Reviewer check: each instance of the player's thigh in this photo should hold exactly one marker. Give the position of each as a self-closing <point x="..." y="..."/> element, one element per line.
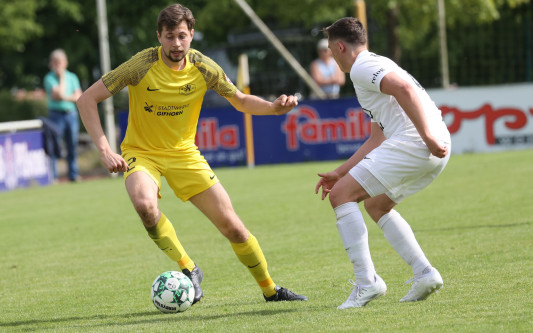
<point x="142" y="180"/>
<point x="216" y="205"/>
<point x="347" y="189"/>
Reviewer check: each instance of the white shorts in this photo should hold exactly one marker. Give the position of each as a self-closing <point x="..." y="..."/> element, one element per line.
<point x="398" y="169"/>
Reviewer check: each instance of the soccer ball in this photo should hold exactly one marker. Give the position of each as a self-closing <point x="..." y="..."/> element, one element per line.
<point x="172" y="292"/>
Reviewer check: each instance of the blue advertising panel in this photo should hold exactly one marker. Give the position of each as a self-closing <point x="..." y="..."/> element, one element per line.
<point x="220" y="136"/>
<point x="23" y="161"/>
<point x="315" y="130"/>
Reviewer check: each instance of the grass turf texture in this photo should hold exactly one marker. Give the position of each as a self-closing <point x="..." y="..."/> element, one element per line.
<point x="75" y="257"/>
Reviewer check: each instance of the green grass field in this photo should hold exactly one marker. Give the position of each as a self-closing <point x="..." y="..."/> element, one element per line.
<point x="75" y="257"/>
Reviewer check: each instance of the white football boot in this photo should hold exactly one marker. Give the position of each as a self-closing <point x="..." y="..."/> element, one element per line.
<point x="361" y="295"/>
<point x="423" y="286"/>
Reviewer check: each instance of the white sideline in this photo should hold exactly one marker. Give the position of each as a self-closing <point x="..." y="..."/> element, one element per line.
<point x="13" y="126"/>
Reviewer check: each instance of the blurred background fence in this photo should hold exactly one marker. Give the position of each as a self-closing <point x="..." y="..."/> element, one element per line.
<point x="488" y="42"/>
<point x="479" y="53"/>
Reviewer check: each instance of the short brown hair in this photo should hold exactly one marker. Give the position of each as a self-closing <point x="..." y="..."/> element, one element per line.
<point x="348" y="29"/>
<point x="173" y="15"/>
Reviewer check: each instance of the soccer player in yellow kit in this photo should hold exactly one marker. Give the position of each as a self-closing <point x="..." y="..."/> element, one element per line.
<point x="166" y="86"/>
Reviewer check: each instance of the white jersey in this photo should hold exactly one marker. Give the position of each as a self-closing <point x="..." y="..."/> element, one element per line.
<point x="366" y="75"/>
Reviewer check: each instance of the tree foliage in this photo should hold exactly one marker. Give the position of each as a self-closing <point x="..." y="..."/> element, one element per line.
<point x="18" y="24"/>
<point x="31" y="29"/>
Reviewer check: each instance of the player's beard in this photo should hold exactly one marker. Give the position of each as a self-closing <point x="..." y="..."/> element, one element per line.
<point x="177" y="58"/>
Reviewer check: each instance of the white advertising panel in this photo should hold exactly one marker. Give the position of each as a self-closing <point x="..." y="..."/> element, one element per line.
<point x="485" y="119"/>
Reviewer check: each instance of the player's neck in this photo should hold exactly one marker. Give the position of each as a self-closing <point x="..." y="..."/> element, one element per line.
<point x="357" y="51"/>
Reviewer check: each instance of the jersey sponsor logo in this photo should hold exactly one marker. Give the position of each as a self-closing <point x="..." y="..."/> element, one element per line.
<point x="148" y="88"/>
<point x="165" y="110"/>
<point x="187" y="89"/>
<point x="148" y="108"/>
<point x="171" y="110"/>
<point x="375" y="75"/>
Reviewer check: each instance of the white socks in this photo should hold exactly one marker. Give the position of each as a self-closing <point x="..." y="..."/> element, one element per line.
<point x="354" y="236"/>
<point x="399" y="234"/>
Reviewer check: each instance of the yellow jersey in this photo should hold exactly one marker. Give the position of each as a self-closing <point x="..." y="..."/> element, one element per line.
<point x="164" y="104"/>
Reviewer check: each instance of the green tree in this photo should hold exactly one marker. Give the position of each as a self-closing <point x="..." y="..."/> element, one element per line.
<point x="18" y="23"/>
<point x="31" y="29"/>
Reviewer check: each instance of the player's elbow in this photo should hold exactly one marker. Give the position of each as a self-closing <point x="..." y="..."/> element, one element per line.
<point x="82" y="102"/>
<point x="79" y="101"/>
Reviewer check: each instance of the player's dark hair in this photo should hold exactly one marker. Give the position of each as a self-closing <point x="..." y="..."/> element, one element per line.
<point x="173" y="15"/>
<point x="348" y="29"/>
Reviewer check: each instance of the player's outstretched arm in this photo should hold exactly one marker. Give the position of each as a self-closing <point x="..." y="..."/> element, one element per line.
<point x="87" y="105"/>
<point x="257" y="106"/>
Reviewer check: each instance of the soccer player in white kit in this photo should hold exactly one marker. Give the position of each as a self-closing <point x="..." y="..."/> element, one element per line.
<point x="408" y="148"/>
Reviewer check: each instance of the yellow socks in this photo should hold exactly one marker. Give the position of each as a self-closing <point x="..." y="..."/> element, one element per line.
<point x="251" y="255"/>
<point x="164" y="235"/>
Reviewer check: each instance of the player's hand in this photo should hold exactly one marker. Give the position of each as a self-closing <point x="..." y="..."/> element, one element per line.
<point x="58" y="68"/>
<point x="284" y="104"/>
<point x="113" y="162"/>
<point x="326" y="182"/>
<point x="436" y="148"/>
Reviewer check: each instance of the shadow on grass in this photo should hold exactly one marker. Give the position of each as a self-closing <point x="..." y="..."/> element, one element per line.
<point x="150" y="314"/>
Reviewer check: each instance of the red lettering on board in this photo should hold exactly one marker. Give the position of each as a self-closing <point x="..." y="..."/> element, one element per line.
<point x="305" y="125"/>
<point x="211" y="136"/>
<point x="518" y="120"/>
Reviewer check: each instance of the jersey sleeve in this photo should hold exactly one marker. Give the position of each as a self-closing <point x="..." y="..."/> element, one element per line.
<point x="130" y="72"/>
<point x="213" y="74"/>
<point x="369" y="73"/>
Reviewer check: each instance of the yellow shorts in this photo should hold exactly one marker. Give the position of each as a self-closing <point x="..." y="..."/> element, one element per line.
<point x="187" y="173"/>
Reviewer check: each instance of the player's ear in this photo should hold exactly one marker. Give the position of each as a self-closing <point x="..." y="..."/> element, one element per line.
<point x="192" y="34"/>
<point x="158" y="36"/>
<point x="340" y="45"/>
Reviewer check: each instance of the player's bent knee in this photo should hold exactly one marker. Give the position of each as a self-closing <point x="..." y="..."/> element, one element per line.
<point x="337" y="198"/>
<point x="147" y="210"/>
<point x="234" y="232"/>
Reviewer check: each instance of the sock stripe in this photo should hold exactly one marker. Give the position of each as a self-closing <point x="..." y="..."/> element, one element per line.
<point x="265" y="283"/>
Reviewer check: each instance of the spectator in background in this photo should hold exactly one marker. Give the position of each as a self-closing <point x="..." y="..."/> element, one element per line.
<point x="326" y="72"/>
<point x="62" y="91"/>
